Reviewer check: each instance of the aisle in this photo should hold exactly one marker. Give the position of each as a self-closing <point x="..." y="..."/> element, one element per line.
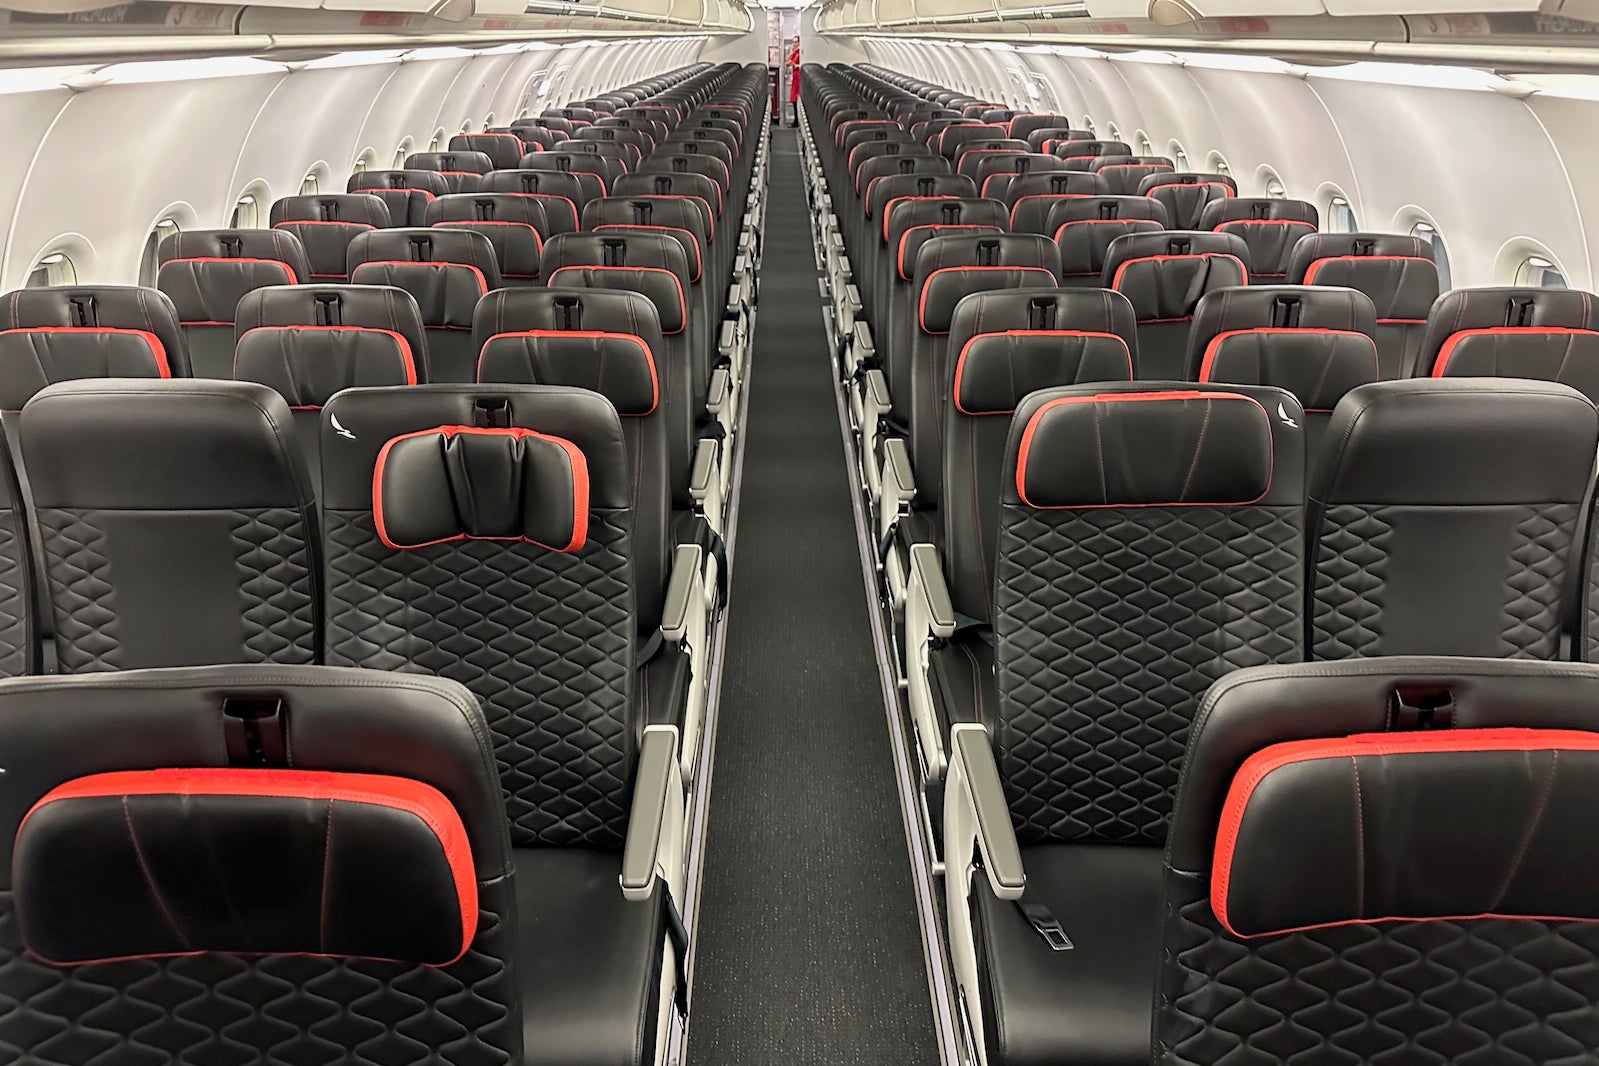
<point x="808" y="946"/>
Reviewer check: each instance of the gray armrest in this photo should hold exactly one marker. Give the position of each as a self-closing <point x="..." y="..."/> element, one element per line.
<point x="680" y="592"/>
<point x="929" y="574"/>
<point x="897" y="465"/>
<point x="727" y="340"/>
<point x="653" y="784"/>
<point x="718" y="389"/>
<point x="975" y="769"/>
<point x="876" y="381"/>
<point x="703" y="471"/>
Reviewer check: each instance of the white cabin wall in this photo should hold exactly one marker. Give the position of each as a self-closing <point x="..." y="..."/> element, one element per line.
<point x="1488" y="162"/>
<point x="188" y="148"/>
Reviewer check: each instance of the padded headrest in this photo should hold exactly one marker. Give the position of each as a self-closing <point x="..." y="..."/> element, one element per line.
<point x="220" y="863"/>
<point x="572" y="114"/>
<point x="1258" y="209"/>
<point x="532" y="138"/>
<point x="700" y="187"/>
<point x="1466" y="823"/>
<point x="515" y="225"/>
<point x="672" y="211"/>
<point x="1012" y="343"/>
<point x="356" y="209"/>
<point x="557" y="194"/>
<point x="1123" y="175"/>
<point x="970" y="155"/>
<point x="1316" y="342"/>
<point x="428" y="181"/>
<point x="1397" y="272"/>
<point x="1244" y="712"/>
<point x="1143" y="446"/>
<point x="549" y="122"/>
<point x="862" y="154"/>
<point x="62" y="310"/>
<point x="1166" y="274"/>
<point x="502" y="149"/>
<point x="446" y="270"/>
<point x="951" y="140"/>
<point x="591" y="171"/>
<point x="1512" y="332"/>
<point x="1459" y="442"/>
<point x="1023" y="125"/>
<point x="159" y="445"/>
<point x="1084" y="227"/>
<point x="1074" y="149"/>
<point x="909" y="212"/>
<point x="1054" y="183"/>
<point x="207" y="272"/>
<point x="993" y="173"/>
<point x="373" y="417"/>
<point x="1185" y="195"/>
<point x="34" y="358"/>
<point x="451" y="162"/>
<point x="1187" y="177"/>
<point x="1054" y="133"/>
<point x="684" y="163"/>
<point x="883" y="190"/>
<point x="652" y="264"/>
<point x="623" y="363"/>
<point x="310" y="341"/>
<point x="948" y="268"/>
<point x="464" y="483"/>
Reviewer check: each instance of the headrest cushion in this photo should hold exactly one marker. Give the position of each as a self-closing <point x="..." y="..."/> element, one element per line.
<point x="619" y="366"/>
<point x="31" y="359"/>
<point x="1317" y="365"/>
<point x="464" y="483"/>
<point x="995" y="370"/>
<point x="1145" y="449"/>
<point x="173" y="862"/>
<point x="1302" y="817"/>
<point x="308" y="364"/>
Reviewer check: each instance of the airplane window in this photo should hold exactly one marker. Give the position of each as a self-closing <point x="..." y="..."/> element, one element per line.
<point x="1440" y="252"/>
<point x="1340" y="216"/>
<point x="1147" y="146"/>
<point x="399" y="158"/>
<point x="1540" y="273"/>
<point x="54" y="269"/>
<point x="437" y="141"/>
<point x="1112" y="133"/>
<point x="488" y="120"/>
<point x="1088" y="124"/>
<point x="1179" y="156"/>
<point x="1275" y="188"/>
<point x="1219" y="165"/>
<point x="246" y="214"/>
<point x="311" y="185"/>
<point x="149" y="262"/>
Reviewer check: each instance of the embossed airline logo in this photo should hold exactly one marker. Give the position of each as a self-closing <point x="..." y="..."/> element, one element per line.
<point x="339" y="428"/>
<point x="1282" y="413"/>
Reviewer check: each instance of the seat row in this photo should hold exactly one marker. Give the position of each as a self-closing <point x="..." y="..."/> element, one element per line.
<point x="391" y="768"/>
<point x="1110" y="588"/>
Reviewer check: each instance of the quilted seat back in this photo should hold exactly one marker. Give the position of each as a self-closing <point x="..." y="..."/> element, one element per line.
<point x="1149" y="542"/>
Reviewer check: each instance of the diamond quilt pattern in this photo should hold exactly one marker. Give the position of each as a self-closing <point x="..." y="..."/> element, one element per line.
<point x="1437" y="993"/>
<point x="83" y="599"/>
<point x="14" y="604"/>
<point x="1351" y="557"/>
<point x="274" y="564"/>
<point x="545" y="640"/>
<point x="1110" y="626"/>
<point x="1539" y="560"/>
<point x="223" y="1010"/>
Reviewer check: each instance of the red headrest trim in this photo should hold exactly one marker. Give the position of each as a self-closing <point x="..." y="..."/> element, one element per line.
<point x="482" y="283"/>
<point x="921" y="303"/>
<point x="584" y="334"/>
<point x="404" y="346"/>
<point x="158" y="350"/>
<point x="960" y="360"/>
<point x="676" y="282"/>
<point x="1214" y="346"/>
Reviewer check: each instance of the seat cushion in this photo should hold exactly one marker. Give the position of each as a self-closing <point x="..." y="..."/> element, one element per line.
<point x="588" y="960"/>
<point x="1092" y="1005"/>
<point x="663" y="686"/>
<point x="963" y="679"/>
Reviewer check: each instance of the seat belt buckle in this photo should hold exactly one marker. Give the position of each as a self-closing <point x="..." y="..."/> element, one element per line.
<point x="1046" y="925"/>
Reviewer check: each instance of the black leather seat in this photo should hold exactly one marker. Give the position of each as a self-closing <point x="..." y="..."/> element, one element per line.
<point x="179" y="530"/>
<point x="1109" y="588"/>
<point x="308" y="342"/>
<point x="561" y="195"/>
<point x="531" y="605"/>
<point x="207" y="272"/>
<point x="1314" y="341"/>
<point x="515" y="225"/>
<point x="1409" y="820"/>
<point x="1125" y="175"/>
<point x="406" y="192"/>
<point x="1442" y="518"/>
<point x="1032" y="197"/>
<point x="1269" y="226"/>
<point x="504" y="150"/>
<point x="362" y="896"/>
<point x="446" y="271"/>
<point x="1084" y="227"/>
<point x="1396" y="272"/>
<point x="1547" y="334"/>
<point x="927" y="179"/>
<point x="326" y="224"/>
<point x="462" y="171"/>
<point x="592" y="175"/>
<point x="1185" y="195"/>
<point x="993" y="176"/>
<point x="1165" y="275"/>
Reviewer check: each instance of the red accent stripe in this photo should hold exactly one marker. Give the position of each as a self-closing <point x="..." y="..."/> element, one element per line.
<point x="424" y="801"/>
<point x="698" y="268"/>
<point x="1264" y="762"/>
<point x="888" y="209"/>
<point x="1222" y="228"/>
<point x="904" y="238"/>
<point x="580" y="486"/>
<point x="1230" y="191"/>
<point x="1440" y="366"/>
<point x="399" y="341"/>
<point x="1045" y="196"/>
<point x="1213" y="348"/>
<point x="921" y="303"/>
<point x="1316" y="265"/>
<point x="585" y="334"/>
<point x="1129" y="397"/>
<point x="1116" y="280"/>
<point x="960" y="360"/>
<point x="677" y="282"/>
<point x="482" y="283"/>
<point x="288" y="271"/>
<point x="158" y="351"/>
